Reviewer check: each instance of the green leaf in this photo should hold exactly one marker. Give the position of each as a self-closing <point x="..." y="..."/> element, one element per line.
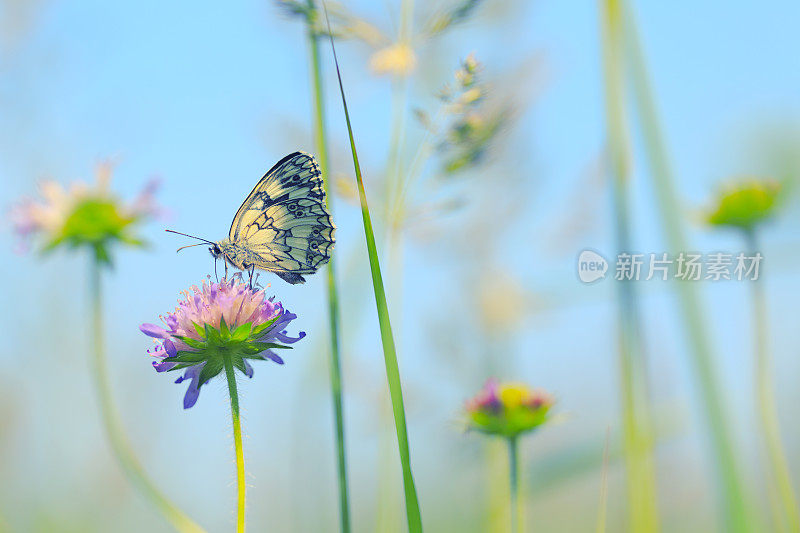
<point x="213" y="335"/>
<point x="269" y="346"/>
<point x="101" y="253"/>
<point x="242" y="332"/>
<point x="211" y="369"/>
<point x="265" y="325"/>
<point x="238" y="362"/>
<point x="223" y="329"/>
<point x="133" y="241"/>
<point x="192" y="343"/>
<point x="249" y="349"/>
<point x="200" y="331"/>
<point x="185" y="356"/>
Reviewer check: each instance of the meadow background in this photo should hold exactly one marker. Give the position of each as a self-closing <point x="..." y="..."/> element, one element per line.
<point x="209" y="96"/>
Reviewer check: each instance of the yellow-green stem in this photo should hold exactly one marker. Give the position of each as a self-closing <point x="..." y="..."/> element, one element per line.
<point x="636" y="410"/>
<point x="333" y="298"/>
<point x="113" y="427"/>
<point x="237" y="443"/>
<point x="767" y="410"/>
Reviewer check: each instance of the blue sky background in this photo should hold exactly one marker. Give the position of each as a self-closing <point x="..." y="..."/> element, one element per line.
<point x="208" y="96"/>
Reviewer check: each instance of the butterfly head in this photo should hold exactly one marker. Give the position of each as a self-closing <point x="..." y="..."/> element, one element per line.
<point x="215" y="248"/>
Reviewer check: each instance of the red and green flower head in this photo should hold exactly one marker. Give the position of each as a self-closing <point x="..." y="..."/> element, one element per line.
<point x="214" y="320"/>
<point x="508" y="409"/>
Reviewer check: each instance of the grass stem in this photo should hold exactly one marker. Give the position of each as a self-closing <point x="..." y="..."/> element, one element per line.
<point x="513" y="478"/>
<point x="321" y="146"/>
<point x="767" y="410"/>
<point x="636" y="411"/>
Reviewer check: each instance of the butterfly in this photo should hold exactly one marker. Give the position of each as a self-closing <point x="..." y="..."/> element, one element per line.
<point x="283" y="225"/>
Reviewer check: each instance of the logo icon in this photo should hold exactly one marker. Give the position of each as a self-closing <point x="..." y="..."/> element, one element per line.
<point x="591" y="266"/>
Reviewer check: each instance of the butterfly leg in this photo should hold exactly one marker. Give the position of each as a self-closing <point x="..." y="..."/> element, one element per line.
<point x="252" y="269"/>
<point x="226" y="270"/>
<point x="215" y="270"/>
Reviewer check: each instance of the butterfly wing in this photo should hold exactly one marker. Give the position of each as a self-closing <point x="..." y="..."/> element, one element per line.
<point x="283" y="223"/>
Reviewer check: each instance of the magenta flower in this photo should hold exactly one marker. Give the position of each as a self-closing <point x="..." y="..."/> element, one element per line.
<point x="214" y="321"/>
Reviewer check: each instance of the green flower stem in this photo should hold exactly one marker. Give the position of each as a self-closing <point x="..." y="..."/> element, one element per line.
<point x="237" y="442"/>
<point x="765" y="400"/>
<point x="113" y="427"/>
<point x="737" y="509"/>
<point x="513" y="478"/>
<point x="333" y="297"/>
<point x="637" y="425"/>
<point x="413" y="514"/>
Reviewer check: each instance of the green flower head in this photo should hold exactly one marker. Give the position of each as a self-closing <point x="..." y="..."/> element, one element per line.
<point x="83" y="215"/>
<point x="746" y="204"/>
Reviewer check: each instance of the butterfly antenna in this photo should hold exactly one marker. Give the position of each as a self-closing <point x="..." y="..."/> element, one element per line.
<point x="189" y="246"/>
<point x="190" y="236"/>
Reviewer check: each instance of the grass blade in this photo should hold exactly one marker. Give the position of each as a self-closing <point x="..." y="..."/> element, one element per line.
<point x="389" y="353"/>
<point x="333" y="297"/>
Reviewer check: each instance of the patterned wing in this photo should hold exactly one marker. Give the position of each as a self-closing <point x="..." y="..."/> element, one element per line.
<point x="283" y="224"/>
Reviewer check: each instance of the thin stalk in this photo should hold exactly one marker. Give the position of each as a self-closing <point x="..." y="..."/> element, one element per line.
<point x="333" y="298"/>
<point x="413" y="514"/>
<point x="395" y="174"/>
<point x="765" y="400"/>
<point x="736" y="507"/>
<point x="513" y="478"/>
<point x="637" y="425"/>
<point x="602" y="515"/>
<point x="113" y="427"/>
<point x="237" y="443"/>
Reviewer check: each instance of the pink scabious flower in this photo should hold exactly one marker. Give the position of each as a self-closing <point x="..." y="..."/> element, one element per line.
<point x="214" y="321"/>
<point x="82" y="214"/>
<point x="508" y="409"/>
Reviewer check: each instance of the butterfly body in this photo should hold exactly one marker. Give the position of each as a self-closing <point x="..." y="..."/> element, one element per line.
<point x="283" y="226"/>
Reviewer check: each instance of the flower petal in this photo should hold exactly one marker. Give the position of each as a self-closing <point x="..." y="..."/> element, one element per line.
<point x="269" y="354"/>
<point x="193" y="372"/>
<point x="169" y="346"/>
<point x="285" y="338"/>
<point x="151" y="330"/>
<point x="163" y="366"/>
